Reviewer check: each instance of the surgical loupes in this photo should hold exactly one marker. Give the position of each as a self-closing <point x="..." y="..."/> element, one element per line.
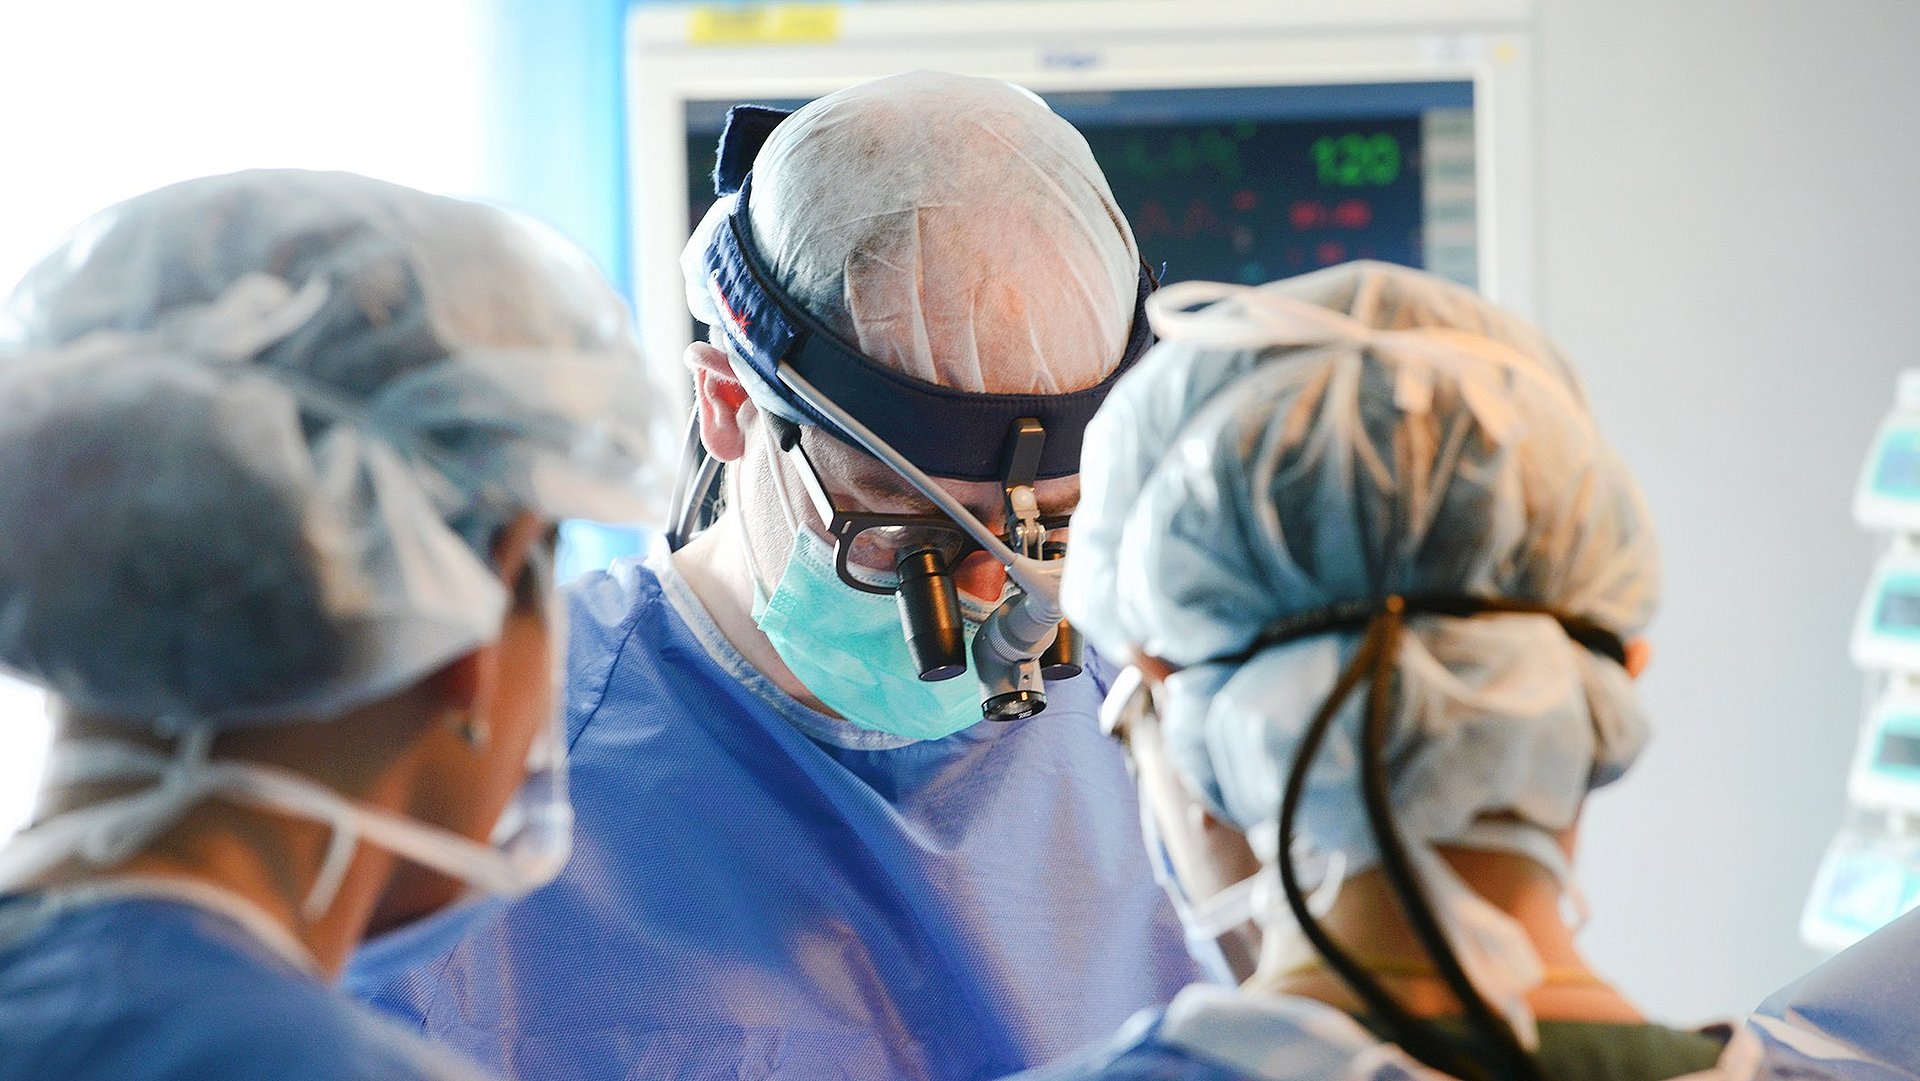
<point x="1010" y="675"/>
<point x="1008" y="647"/>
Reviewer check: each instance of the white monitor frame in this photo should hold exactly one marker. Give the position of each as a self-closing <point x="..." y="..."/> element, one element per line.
<point x="1079" y="45"/>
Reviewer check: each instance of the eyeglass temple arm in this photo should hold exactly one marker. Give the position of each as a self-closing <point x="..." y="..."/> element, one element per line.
<point x="787" y="434"/>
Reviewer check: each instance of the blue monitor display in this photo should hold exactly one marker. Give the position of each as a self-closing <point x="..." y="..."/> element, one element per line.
<point x="1250" y="184"/>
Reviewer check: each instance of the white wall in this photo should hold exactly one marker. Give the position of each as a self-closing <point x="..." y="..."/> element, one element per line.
<point x="102" y="101"/>
<point x="108" y="99"/>
<point x="1731" y="250"/>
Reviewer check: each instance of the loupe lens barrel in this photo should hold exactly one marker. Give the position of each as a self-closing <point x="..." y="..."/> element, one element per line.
<point x="930" y="616"/>
<point x="1065" y="657"/>
<point x="1014" y="706"/>
<point x="1062" y="660"/>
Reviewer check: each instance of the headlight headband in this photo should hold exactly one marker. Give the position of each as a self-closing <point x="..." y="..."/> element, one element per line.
<point x="948" y="433"/>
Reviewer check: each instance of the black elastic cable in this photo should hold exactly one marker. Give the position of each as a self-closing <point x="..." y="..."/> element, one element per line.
<point x="706" y="494"/>
<point x="691" y="451"/>
<point x="1383" y="623"/>
<point x="695" y="488"/>
<point x="1416" y="1037"/>
<point x="1356" y="616"/>
<point x="1509" y="1058"/>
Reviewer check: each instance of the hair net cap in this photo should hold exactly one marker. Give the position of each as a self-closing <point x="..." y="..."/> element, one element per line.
<point x="951" y="227"/>
<point x="1360" y="432"/>
<point x="265" y="428"/>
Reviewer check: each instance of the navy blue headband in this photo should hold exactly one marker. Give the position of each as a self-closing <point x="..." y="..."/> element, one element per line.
<point x="946" y="432"/>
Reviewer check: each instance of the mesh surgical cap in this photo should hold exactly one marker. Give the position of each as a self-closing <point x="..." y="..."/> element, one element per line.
<point x="953" y="228"/>
<point x="1365" y="431"/>
<point x="262" y="430"/>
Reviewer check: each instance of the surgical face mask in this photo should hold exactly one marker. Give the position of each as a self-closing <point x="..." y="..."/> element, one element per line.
<point x="1221" y="931"/>
<point x="530" y="844"/>
<point x="1221" y="928"/>
<point x="845" y="646"/>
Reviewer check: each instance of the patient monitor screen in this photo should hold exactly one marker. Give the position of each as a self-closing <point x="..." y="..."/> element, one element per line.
<point x="1250" y="184"/>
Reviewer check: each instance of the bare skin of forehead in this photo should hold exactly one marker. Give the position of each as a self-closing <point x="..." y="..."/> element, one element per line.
<point x="867" y="483"/>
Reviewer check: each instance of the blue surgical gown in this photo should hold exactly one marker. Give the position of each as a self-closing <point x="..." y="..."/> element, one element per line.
<point x="157" y="989"/>
<point x="759" y="891"/>
<point x="1853" y="1017"/>
<point x="1213" y="1033"/>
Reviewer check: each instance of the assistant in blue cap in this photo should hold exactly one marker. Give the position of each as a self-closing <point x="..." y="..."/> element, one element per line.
<point x="796" y="857"/>
<point x="1381" y="580"/>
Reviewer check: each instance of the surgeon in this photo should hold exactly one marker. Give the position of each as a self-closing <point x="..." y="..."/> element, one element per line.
<point x="802" y="852"/>
<point x="285" y="452"/>
<point x="1378" y="575"/>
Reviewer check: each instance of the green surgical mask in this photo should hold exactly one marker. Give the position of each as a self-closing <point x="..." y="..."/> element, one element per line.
<point x="847" y="648"/>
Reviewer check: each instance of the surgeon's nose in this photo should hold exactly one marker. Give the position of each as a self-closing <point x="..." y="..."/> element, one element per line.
<point x="981" y="577"/>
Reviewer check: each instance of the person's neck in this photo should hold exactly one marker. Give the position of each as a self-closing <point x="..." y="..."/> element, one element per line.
<point x="267" y="861"/>
<point x="1366" y="920"/>
<point x="714" y="565"/>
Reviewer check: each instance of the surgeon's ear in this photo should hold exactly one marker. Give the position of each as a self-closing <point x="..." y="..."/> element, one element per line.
<point x="722" y="402"/>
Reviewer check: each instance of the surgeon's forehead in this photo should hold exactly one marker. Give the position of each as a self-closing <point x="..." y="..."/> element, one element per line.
<point x="884" y="490"/>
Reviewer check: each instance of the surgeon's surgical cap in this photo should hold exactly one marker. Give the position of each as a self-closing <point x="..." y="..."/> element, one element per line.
<point x="1361" y="432"/>
<point x="951" y="227"/>
<point x="261" y="431"/>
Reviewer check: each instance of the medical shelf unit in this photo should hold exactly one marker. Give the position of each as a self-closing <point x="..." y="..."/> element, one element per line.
<point x="1246" y="141"/>
<point x="1870" y="874"/>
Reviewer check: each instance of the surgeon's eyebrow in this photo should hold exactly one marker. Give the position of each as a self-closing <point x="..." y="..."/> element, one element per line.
<point x="886" y="492"/>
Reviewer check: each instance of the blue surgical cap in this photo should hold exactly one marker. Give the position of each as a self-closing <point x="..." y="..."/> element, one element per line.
<point x="262" y="429"/>
<point x="1365" y="431"/>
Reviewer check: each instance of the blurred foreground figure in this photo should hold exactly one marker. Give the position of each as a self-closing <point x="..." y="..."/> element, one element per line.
<point x="285" y="452"/>
<point x="1378" y="576"/>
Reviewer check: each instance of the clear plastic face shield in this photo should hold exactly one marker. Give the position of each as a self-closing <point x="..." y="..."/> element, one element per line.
<point x="529" y="846"/>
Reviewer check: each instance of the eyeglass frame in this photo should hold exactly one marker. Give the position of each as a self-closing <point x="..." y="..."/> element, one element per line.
<point x="844" y="525"/>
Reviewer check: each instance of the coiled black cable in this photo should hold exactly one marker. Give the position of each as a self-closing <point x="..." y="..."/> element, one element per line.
<point x="1508" y="1059"/>
<point x="1497" y="1054"/>
<point x="1416" y="1037"/>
